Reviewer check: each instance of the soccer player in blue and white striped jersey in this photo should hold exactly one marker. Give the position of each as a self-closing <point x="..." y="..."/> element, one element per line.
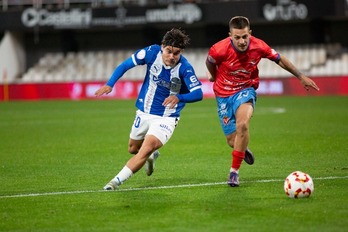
<point x="170" y="82"/>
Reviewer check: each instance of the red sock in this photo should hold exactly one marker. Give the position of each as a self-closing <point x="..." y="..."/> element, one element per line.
<point x="237" y="159"/>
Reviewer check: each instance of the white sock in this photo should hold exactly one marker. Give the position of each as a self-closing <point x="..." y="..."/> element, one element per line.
<point x="123" y="175"/>
<point x="234" y="170"/>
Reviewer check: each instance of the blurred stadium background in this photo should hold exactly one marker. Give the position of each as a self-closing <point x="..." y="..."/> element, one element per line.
<point x="66" y="49"/>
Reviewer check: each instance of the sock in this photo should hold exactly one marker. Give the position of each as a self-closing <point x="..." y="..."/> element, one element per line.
<point x="123" y="175"/>
<point x="237" y="159"/>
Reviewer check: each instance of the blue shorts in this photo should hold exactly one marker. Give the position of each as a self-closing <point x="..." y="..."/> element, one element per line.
<point x="227" y="108"/>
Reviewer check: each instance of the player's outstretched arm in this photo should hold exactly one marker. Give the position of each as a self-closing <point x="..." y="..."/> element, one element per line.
<point x="103" y="90"/>
<point x="306" y="82"/>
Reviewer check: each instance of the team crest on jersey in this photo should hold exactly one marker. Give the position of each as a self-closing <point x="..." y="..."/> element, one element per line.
<point x="252" y="62"/>
<point x="155" y="72"/>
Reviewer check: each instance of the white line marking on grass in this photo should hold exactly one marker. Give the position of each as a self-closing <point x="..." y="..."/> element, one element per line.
<point x="157" y="187"/>
<point x="268" y="110"/>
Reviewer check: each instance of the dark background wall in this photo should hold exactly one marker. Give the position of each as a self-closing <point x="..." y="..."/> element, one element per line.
<point x="326" y="22"/>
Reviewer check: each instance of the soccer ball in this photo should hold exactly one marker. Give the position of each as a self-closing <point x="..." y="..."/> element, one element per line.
<point x="298" y="185"/>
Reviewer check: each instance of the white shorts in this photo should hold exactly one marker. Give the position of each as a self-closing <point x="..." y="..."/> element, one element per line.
<point x="148" y="124"/>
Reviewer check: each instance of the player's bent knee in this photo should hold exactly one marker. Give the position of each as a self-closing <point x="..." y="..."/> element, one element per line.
<point x="133" y="150"/>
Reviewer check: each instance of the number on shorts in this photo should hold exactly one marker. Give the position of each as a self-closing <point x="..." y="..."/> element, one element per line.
<point x="243" y="94"/>
<point x="137" y="122"/>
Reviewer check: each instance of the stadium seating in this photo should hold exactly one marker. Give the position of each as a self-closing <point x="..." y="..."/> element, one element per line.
<point x="313" y="60"/>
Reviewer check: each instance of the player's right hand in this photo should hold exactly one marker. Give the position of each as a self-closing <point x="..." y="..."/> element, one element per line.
<point x="308" y="83"/>
<point x="103" y="90"/>
<point x="210" y="77"/>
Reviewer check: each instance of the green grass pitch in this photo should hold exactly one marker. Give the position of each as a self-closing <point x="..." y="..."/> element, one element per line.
<point x="55" y="157"/>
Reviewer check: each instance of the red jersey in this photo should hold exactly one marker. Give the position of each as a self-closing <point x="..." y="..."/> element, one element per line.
<point x="238" y="70"/>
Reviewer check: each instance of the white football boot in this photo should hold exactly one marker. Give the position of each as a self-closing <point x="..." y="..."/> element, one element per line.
<point x="150" y="163"/>
<point x="112" y="185"/>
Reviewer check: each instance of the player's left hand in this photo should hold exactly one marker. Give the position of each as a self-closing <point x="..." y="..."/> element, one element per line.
<point x="308" y="83"/>
<point x="103" y="90"/>
<point x="171" y="101"/>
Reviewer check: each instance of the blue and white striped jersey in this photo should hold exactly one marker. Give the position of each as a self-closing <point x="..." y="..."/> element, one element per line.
<point x="160" y="81"/>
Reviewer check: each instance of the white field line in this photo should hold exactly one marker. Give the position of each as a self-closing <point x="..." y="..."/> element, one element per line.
<point x="158" y="187"/>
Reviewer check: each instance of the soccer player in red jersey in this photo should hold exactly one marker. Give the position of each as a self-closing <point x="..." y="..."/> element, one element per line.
<point x="232" y="66"/>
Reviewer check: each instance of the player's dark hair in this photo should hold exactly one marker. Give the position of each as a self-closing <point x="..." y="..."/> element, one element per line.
<point x="176" y="38"/>
<point x="239" y="22"/>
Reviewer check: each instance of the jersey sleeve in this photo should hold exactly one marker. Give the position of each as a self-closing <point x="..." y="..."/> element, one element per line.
<point x="190" y="78"/>
<point x="269" y="52"/>
<point x="218" y="52"/>
<point x="119" y="71"/>
<point x="139" y="57"/>
<point x="144" y="55"/>
<point x="192" y="84"/>
<point x="213" y="56"/>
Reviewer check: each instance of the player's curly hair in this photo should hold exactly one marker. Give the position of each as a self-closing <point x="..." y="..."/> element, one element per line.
<point x="176" y="38"/>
